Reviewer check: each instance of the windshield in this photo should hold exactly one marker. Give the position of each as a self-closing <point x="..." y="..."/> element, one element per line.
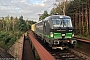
<point x="62" y="22"/>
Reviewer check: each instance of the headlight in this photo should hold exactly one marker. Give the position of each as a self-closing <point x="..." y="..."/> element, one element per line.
<point x="72" y="35"/>
<point x="51" y="34"/>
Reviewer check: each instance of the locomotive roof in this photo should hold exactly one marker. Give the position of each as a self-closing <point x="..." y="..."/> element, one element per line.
<point x="59" y="16"/>
<point x="56" y="17"/>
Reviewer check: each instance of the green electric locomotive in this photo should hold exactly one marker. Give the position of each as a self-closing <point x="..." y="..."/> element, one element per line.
<point x="57" y="31"/>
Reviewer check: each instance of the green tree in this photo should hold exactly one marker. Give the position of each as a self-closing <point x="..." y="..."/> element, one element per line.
<point x="7" y="21"/>
<point x="61" y="8"/>
<point x="11" y="29"/>
<point x="11" y="18"/>
<point x="53" y="11"/>
<point x="22" y="24"/>
<point x="44" y="15"/>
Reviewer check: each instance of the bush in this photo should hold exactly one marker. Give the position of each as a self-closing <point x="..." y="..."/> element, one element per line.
<point x="7" y="39"/>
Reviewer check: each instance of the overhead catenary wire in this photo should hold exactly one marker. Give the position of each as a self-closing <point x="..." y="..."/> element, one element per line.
<point x="48" y="6"/>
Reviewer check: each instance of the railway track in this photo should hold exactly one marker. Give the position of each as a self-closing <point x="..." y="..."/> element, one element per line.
<point x="64" y="55"/>
<point x="67" y="54"/>
<point x="1" y="56"/>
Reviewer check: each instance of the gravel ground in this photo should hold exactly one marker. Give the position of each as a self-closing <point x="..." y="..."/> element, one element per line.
<point x="16" y="49"/>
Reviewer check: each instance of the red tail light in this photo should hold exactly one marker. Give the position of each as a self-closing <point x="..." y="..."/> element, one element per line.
<point x="67" y="41"/>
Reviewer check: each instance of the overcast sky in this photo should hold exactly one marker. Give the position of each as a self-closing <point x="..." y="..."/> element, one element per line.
<point x="29" y="9"/>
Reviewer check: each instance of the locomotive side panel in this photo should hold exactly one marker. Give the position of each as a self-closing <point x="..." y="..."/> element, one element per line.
<point x="46" y="29"/>
<point x="39" y="28"/>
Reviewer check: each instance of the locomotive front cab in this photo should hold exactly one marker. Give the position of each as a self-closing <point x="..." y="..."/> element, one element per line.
<point x="62" y="32"/>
